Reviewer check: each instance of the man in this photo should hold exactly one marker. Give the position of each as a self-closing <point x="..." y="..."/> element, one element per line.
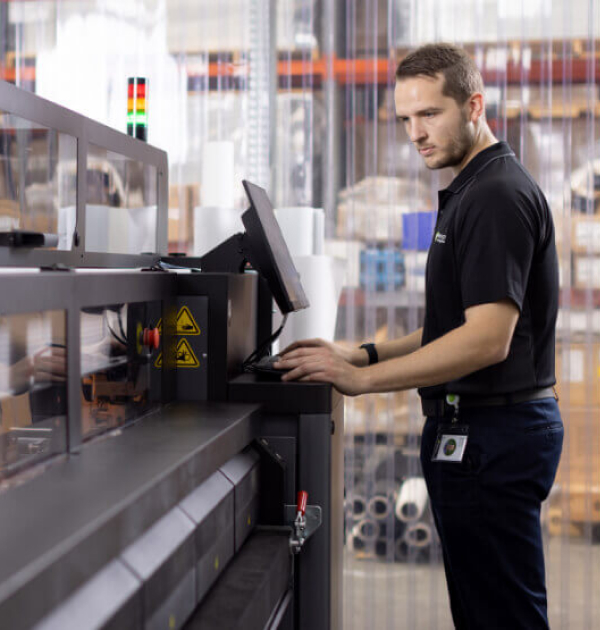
<point x="484" y="359"/>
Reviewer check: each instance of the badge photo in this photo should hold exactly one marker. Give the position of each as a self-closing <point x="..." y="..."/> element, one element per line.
<point x="449" y="448"/>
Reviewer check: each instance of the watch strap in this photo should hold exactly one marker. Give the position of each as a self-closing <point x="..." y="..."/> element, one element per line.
<point x="372" y="352"/>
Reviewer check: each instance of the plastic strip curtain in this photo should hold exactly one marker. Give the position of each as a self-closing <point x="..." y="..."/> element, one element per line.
<point x="574" y="514"/>
<point x="562" y="560"/>
<point x="225" y="55"/>
<point x="561" y="151"/>
<point x="261" y="49"/>
<point x="392" y="574"/>
<point x="298" y="131"/>
<point x="180" y="236"/>
<point x="538" y="61"/>
<point x="211" y="42"/>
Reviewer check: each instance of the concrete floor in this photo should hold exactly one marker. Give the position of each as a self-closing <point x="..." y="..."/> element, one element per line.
<point x="380" y="595"/>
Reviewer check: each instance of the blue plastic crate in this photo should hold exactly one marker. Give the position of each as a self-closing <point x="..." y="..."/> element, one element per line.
<point x="381" y="269"/>
<point x="417" y="230"/>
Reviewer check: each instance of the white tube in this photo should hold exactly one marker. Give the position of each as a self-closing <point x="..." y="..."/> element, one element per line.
<point x="358" y="502"/>
<point x="322" y="278"/>
<point x="367" y="530"/>
<point x="218" y="182"/>
<point x="213" y="225"/>
<point x="379" y="507"/>
<point x="319" y="232"/>
<point x="298" y="228"/>
<point x="357" y="543"/>
<point x="418" y="535"/>
<point x="412" y="500"/>
<point x="400" y="550"/>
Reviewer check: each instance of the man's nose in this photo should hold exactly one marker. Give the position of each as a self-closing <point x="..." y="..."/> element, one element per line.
<point x="416" y="132"/>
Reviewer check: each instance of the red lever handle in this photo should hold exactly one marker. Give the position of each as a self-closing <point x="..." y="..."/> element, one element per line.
<point x="302" y="501"/>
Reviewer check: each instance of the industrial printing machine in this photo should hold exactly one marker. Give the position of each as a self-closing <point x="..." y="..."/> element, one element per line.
<point x="151" y="476"/>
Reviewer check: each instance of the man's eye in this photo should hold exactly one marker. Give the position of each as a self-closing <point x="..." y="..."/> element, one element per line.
<point x="429" y="114"/>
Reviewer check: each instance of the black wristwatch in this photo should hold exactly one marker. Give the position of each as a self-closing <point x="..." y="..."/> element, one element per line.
<point x="372" y="352"/>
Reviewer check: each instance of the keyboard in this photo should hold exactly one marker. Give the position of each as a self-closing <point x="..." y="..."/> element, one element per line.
<point x="264" y="368"/>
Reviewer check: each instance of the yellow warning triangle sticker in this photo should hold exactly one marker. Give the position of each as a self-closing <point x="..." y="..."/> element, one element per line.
<point x="185" y="355"/>
<point x="186" y="324"/>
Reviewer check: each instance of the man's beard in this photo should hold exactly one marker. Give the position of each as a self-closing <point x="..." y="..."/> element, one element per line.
<point x="457" y="149"/>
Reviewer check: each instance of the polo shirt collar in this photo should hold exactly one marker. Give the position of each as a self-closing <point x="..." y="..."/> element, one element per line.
<point x="478" y="163"/>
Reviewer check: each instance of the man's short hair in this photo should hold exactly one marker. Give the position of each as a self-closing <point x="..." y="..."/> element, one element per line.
<point x="461" y="76"/>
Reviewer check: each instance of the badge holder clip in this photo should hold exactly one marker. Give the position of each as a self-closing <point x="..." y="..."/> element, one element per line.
<point x="452" y="437"/>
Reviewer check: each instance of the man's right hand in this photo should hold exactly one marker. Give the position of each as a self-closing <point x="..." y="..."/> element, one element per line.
<point x="354" y="356"/>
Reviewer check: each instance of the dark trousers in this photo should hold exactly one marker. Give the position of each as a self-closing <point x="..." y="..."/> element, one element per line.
<point x="487" y="513"/>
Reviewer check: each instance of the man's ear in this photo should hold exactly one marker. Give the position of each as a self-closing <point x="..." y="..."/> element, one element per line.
<point x="476" y="107"/>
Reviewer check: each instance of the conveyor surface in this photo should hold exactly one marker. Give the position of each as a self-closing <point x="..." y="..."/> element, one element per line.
<point x="113" y="490"/>
<point x="250" y="589"/>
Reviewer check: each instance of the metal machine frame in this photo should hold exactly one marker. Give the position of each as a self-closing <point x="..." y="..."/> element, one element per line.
<point x="71" y="523"/>
<point x="70" y="291"/>
<point x="301" y="423"/>
<point x="85" y="131"/>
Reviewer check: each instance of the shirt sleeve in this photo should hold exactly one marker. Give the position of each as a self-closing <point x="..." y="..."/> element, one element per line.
<point x="496" y="244"/>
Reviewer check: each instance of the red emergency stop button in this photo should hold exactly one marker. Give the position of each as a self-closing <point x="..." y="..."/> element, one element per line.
<point x="151" y="338"/>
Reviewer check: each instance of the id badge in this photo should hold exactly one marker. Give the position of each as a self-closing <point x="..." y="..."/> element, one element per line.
<point x="451" y="443"/>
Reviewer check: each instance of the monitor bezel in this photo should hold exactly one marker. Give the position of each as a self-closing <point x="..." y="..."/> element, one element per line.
<point x="263" y="259"/>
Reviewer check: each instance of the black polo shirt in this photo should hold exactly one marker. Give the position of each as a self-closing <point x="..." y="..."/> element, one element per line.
<point x="494" y="239"/>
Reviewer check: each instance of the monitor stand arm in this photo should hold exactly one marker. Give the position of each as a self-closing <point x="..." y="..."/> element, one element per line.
<point x="230" y="256"/>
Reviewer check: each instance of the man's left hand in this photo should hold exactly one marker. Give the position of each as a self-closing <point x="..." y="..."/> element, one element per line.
<point x="322" y="366"/>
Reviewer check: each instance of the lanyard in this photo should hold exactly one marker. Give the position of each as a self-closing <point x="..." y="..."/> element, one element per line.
<point x="453" y="400"/>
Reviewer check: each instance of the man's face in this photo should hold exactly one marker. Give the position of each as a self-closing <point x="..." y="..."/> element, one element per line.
<point x="436" y="124"/>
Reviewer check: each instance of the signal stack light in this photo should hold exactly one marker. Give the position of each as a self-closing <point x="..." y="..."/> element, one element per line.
<point x="137" y="112"/>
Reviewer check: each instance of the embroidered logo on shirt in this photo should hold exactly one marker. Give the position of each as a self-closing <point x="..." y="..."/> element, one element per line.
<point x="440" y="238"/>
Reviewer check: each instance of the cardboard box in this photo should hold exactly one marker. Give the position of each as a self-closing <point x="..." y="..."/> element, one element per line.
<point x="368" y="221"/>
<point x="580" y="462"/>
<point x="15" y="411"/>
<point x="578" y="477"/>
<point x="182" y="201"/>
<point x="583" y="503"/>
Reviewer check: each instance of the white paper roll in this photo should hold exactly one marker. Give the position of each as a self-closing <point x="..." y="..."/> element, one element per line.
<point x="213" y="225"/>
<point x="98" y="230"/>
<point x="218" y="185"/>
<point x="322" y="278"/>
<point x="412" y="500"/>
<point x="141" y="235"/>
<point x="319" y="232"/>
<point x="366" y="529"/>
<point x="349" y="253"/>
<point x="379" y="507"/>
<point x="298" y="228"/>
<point x="66" y="227"/>
<point x="113" y="230"/>
<point x="418" y="535"/>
